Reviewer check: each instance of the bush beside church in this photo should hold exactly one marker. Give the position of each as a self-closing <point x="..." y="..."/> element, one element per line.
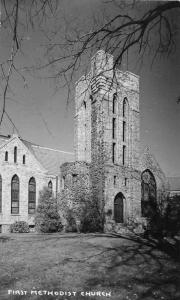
<point x="47" y="218"/>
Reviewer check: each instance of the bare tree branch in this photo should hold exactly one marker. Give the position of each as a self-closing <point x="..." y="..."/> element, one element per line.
<point x="117" y="34"/>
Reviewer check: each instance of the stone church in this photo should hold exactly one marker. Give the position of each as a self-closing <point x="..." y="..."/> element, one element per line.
<point x="126" y="184"/>
<point x="107" y="163"/>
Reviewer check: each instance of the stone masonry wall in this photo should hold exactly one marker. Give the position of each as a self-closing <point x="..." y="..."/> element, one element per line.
<point x="98" y="153"/>
<point x="82" y="134"/>
<point x="76" y="189"/>
<point x="128" y="182"/>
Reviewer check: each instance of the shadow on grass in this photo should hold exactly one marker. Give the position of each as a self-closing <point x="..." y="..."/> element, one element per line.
<point x="172" y="247"/>
<point x="136" y="268"/>
<point x="147" y="269"/>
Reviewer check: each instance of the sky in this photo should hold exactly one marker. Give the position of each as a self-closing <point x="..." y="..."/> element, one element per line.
<point x="42" y="115"/>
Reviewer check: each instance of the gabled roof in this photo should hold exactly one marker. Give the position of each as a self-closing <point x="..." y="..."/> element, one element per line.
<point x="174" y="183"/>
<point x="50" y="159"/>
<point x="148" y="160"/>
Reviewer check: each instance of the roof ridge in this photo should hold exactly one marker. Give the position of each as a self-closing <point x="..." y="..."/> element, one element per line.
<point x="47" y="148"/>
<point x="28" y="142"/>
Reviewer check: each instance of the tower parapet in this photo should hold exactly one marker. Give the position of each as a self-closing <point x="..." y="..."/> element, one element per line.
<point x="105" y="77"/>
<point x="102" y="64"/>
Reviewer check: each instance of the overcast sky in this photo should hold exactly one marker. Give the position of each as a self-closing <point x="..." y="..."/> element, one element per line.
<point x="43" y="116"/>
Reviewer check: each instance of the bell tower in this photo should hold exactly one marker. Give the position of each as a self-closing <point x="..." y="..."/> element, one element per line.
<point x="107" y="132"/>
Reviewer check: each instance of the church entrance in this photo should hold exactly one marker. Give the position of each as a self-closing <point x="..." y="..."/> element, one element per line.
<point x="119" y="208"/>
<point x="148" y="195"/>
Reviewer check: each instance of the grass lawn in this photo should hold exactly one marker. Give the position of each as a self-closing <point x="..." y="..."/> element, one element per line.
<point x="126" y="267"/>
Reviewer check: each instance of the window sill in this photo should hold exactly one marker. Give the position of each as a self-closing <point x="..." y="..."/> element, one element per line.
<point x="15" y="214"/>
<point x="11" y="163"/>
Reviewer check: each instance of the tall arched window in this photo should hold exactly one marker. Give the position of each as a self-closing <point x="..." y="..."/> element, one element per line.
<point x="50" y="186"/>
<point x="24" y="159"/>
<point x="114" y="108"/>
<point x="114" y="153"/>
<point x="6" y="156"/>
<point x="0" y="194"/>
<point x="125" y="107"/>
<point x="113" y="128"/>
<point x="15" y="195"/>
<point x="124" y="155"/>
<point x="84" y="104"/>
<point x="124" y="131"/>
<point x="32" y="196"/>
<point x="15" y="154"/>
<point x="148" y="194"/>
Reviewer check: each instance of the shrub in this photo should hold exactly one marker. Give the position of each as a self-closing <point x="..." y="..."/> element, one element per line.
<point x="166" y="224"/>
<point x="91" y="219"/>
<point x="172" y="216"/>
<point x="47" y="218"/>
<point x="19" y="227"/>
<point x="156" y="225"/>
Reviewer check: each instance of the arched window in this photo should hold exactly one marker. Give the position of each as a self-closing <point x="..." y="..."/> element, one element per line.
<point x="124" y="131"/>
<point x="114" y="153"/>
<point x="50" y="186"/>
<point x="114" y="108"/>
<point x="119" y="208"/>
<point x="84" y="104"/>
<point x="15" y="195"/>
<point x="24" y="159"/>
<point x="124" y="155"/>
<point x="113" y="128"/>
<point x="32" y="196"/>
<point x="6" y="156"/>
<point x="115" y="180"/>
<point x="125" y="107"/>
<point x="15" y="154"/>
<point x="148" y="194"/>
<point x="0" y="194"/>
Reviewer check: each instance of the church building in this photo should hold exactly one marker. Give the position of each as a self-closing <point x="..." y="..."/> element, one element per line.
<point x="108" y="165"/>
<point x="126" y="184"/>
